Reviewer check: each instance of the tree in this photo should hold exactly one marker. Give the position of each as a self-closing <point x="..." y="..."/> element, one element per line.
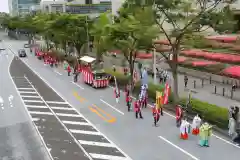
<point x="177" y="19"/>
<point x="99" y="31"/>
<point x="133" y="33"/>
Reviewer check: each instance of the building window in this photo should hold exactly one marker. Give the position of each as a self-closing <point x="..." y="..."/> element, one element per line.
<point x="88" y="1"/>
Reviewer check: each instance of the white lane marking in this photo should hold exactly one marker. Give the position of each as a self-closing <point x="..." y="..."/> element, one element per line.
<point x="44" y="80"/>
<point x="58" y="72"/>
<point x="35" y="119"/>
<point x="33" y="101"/>
<point x="92" y="143"/>
<point x="25" y="89"/>
<point x="54" y="102"/>
<point x="226" y="141"/>
<point x="112" y="107"/>
<point x="179" y="148"/>
<point x="2" y="107"/>
<point x="40" y="136"/>
<point x="68" y="115"/>
<point x="24" y="96"/>
<point x="106" y="157"/>
<point x="63" y="108"/>
<point x="76" y="123"/>
<point x="28" y="92"/>
<point x="41" y="113"/>
<point x="77" y="85"/>
<point x="85" y="132"/>
<point x="33" y="106"/>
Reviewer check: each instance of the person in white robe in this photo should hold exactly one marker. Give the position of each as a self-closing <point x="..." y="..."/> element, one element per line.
<point x="196" y="125"/>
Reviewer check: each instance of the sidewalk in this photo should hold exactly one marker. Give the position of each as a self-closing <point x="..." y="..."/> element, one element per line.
<point x="203" y="93"/>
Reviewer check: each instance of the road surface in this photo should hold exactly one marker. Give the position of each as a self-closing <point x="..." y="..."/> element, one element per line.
<point x="19" y="139"/>
<point x="101" y="128"/>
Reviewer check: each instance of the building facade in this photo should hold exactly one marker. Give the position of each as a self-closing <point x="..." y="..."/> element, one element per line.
<point x="20" y="7"/>
<point x="77" y="6"/>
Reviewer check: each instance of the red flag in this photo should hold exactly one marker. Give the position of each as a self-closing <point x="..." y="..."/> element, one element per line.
<point x="166" y="93"/>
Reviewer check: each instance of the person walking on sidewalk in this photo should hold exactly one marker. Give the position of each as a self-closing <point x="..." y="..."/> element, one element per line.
<point x="185" y="81"/>
<point x="137" y="109"/>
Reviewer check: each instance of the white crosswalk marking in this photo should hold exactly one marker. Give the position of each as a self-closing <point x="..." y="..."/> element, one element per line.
<point x="55" y="102"/>
<point x="106" y="157"/>
<point x="26" y="89"/>
<point x="84" y="132"/>
<point x="33" y="106"/>
<point x="35" y="119"/>
<point x="68" y="115"/>
<point x="76" y="123"/>
<point x="33" y="92"/>
<point x="41" y="113"/>
<point x="33" y="101"/>
<point x="63" y="108"/>
<point x="24" y="96"/>
<point x="92" y="143"/>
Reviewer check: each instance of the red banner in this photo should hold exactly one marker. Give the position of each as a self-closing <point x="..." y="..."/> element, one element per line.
<point x="167" y="92"/>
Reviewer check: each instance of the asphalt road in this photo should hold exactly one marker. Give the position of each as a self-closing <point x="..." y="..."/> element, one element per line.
<point x="137" y="138"/>
<point x="19" y="139"/>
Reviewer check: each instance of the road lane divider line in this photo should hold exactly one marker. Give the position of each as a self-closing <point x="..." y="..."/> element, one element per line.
<point x="179" y="148"/>
<point x="77" y="85"/>
<point x="81" y="99"/>
<point x="111" y="106"/>
<point x="58" y="72"/>
<point x="214" y="135"/>
<point x="97" y="111"/>
<point x="63" y="97"/>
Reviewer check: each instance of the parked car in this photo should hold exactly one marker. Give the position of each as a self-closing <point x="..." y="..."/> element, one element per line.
<point x="22" y="53"/>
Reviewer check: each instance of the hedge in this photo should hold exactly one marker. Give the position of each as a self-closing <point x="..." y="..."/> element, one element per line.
<point x="215" y="115"/>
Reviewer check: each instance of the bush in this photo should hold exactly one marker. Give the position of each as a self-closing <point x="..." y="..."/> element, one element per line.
<point x="215" y="115"/>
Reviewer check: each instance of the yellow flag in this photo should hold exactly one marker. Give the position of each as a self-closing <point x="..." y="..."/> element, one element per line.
<point x="159" y="96"/>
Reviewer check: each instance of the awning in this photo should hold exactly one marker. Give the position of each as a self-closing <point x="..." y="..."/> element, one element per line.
<point x="87" y="59"/>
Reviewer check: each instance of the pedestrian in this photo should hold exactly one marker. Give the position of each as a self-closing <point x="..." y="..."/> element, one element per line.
<point x="179" y="115"/>
<point x="196" y="125"/>
<point x="137" y="109"/>
<point x="129" y="102"/>
<point x="205" y="134"/>
<point x="76" y="73"/>
<point x="234" y="87"/>
<point x="69" y="70"/>
<point x="117" y="95"/>
<point x="145" y="100"/>
<point x="156" y="114"/>
<point x="184" y="129"/>
<point x="185" y="81"/>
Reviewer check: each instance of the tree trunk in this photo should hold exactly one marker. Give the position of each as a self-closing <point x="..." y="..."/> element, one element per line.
<point x="175" y="83"/>
<point x="78" y="48"/>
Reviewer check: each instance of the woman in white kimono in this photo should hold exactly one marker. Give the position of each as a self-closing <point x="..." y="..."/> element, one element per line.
<point x="196" y="125"/>
<point x="184" y="129"/>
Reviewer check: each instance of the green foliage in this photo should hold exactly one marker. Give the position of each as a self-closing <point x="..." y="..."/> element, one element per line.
<point x="99" y="31"/>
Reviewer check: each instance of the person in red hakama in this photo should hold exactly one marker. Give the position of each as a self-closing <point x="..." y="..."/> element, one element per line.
<point x="179" y="115"/>
<point x="137" y="109"/>
<point x="145" y="100"/>
<point x="69" y="70"/>
<point x="156" y="115"/>
<point x="129" y="102"/>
